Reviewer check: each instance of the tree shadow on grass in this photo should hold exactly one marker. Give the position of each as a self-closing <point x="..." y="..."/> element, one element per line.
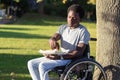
<point x="7" y="34"/>
<point x="15" y="66"/>
<point x="9" y="48"/>
<point x="37" y="19"/>
<point x="19" y="29"/>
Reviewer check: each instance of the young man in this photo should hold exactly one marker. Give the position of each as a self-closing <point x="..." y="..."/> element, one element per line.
<point x="73" y="37"/>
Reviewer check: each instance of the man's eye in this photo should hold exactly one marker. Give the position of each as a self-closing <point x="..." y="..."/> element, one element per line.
<point x="69" y="17"/>
<point x="74" y="18"/>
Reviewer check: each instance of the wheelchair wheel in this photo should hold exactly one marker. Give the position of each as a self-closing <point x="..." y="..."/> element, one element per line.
<point x="84" y="69"/>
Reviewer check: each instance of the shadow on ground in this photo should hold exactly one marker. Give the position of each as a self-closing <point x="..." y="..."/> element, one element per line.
<point x="8" y="34"/>
<point x="14" y="66"/>
<point x="37" y="19"/>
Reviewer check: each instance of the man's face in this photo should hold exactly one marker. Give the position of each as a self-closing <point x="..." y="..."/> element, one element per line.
<point x="73" y="19"/>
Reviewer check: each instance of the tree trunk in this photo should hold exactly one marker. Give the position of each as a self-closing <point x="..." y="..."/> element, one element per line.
<point x="108" y="37"/>
<point x="41" y="7"/>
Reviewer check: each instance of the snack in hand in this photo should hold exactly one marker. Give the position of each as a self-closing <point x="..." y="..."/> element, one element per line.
<point x="55" y="51"/>
<point x="48" y="51"/>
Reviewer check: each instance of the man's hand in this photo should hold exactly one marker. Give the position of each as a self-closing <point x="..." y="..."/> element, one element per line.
<point x="53" y="41"/>
<point x="53" y="44"/>
<point x="53" y="56"/>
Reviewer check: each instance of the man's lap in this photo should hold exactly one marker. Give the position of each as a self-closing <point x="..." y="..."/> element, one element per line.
<point x="49" y="62"/>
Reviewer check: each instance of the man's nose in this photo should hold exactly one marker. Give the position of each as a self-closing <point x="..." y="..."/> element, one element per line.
<point x="72" y="19"/>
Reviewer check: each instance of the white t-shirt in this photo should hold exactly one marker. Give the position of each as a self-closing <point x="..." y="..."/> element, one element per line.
<point x="70" y="38"/>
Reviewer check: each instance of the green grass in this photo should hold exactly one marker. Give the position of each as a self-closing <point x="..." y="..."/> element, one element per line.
<point x="21" y="41"/>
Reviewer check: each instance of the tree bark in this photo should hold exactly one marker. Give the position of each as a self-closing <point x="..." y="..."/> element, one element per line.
<point x="108" y="37"/>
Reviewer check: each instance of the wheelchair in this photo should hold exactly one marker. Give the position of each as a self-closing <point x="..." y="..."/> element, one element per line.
<point x="81" y="69"/>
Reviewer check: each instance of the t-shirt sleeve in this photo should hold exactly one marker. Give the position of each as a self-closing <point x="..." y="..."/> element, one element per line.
<point x="84" y="37"/>
<point x="61" y="29"/>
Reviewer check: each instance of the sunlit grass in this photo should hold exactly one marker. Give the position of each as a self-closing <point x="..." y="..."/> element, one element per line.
<point x="15" y="76"/>
<point x="21" y="41"/>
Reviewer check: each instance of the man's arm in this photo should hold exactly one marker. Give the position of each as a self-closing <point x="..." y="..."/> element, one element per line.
<point x="76" y="53"/>
<point x="73" y="54"/>
<point x="53" y="45"/>
<point x="56" y="37"/>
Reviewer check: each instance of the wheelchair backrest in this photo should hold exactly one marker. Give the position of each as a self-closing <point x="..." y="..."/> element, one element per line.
<point x="87" y="51"/>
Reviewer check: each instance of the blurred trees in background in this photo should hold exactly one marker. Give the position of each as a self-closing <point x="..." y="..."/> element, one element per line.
<point x="51" y="7"/>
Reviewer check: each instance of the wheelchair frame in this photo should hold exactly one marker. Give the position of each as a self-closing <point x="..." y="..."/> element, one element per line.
<point x="88" y="70"/>
<point x="64" y="71"/>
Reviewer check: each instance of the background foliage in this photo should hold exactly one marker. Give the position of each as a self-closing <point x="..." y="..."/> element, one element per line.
<point x="52" y="7"/>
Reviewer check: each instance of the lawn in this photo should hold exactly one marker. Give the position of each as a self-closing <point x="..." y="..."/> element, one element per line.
<point x="21" y="41"/>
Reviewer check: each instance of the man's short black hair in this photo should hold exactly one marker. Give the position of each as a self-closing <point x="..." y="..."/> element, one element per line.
<point x="78" y="9"/>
